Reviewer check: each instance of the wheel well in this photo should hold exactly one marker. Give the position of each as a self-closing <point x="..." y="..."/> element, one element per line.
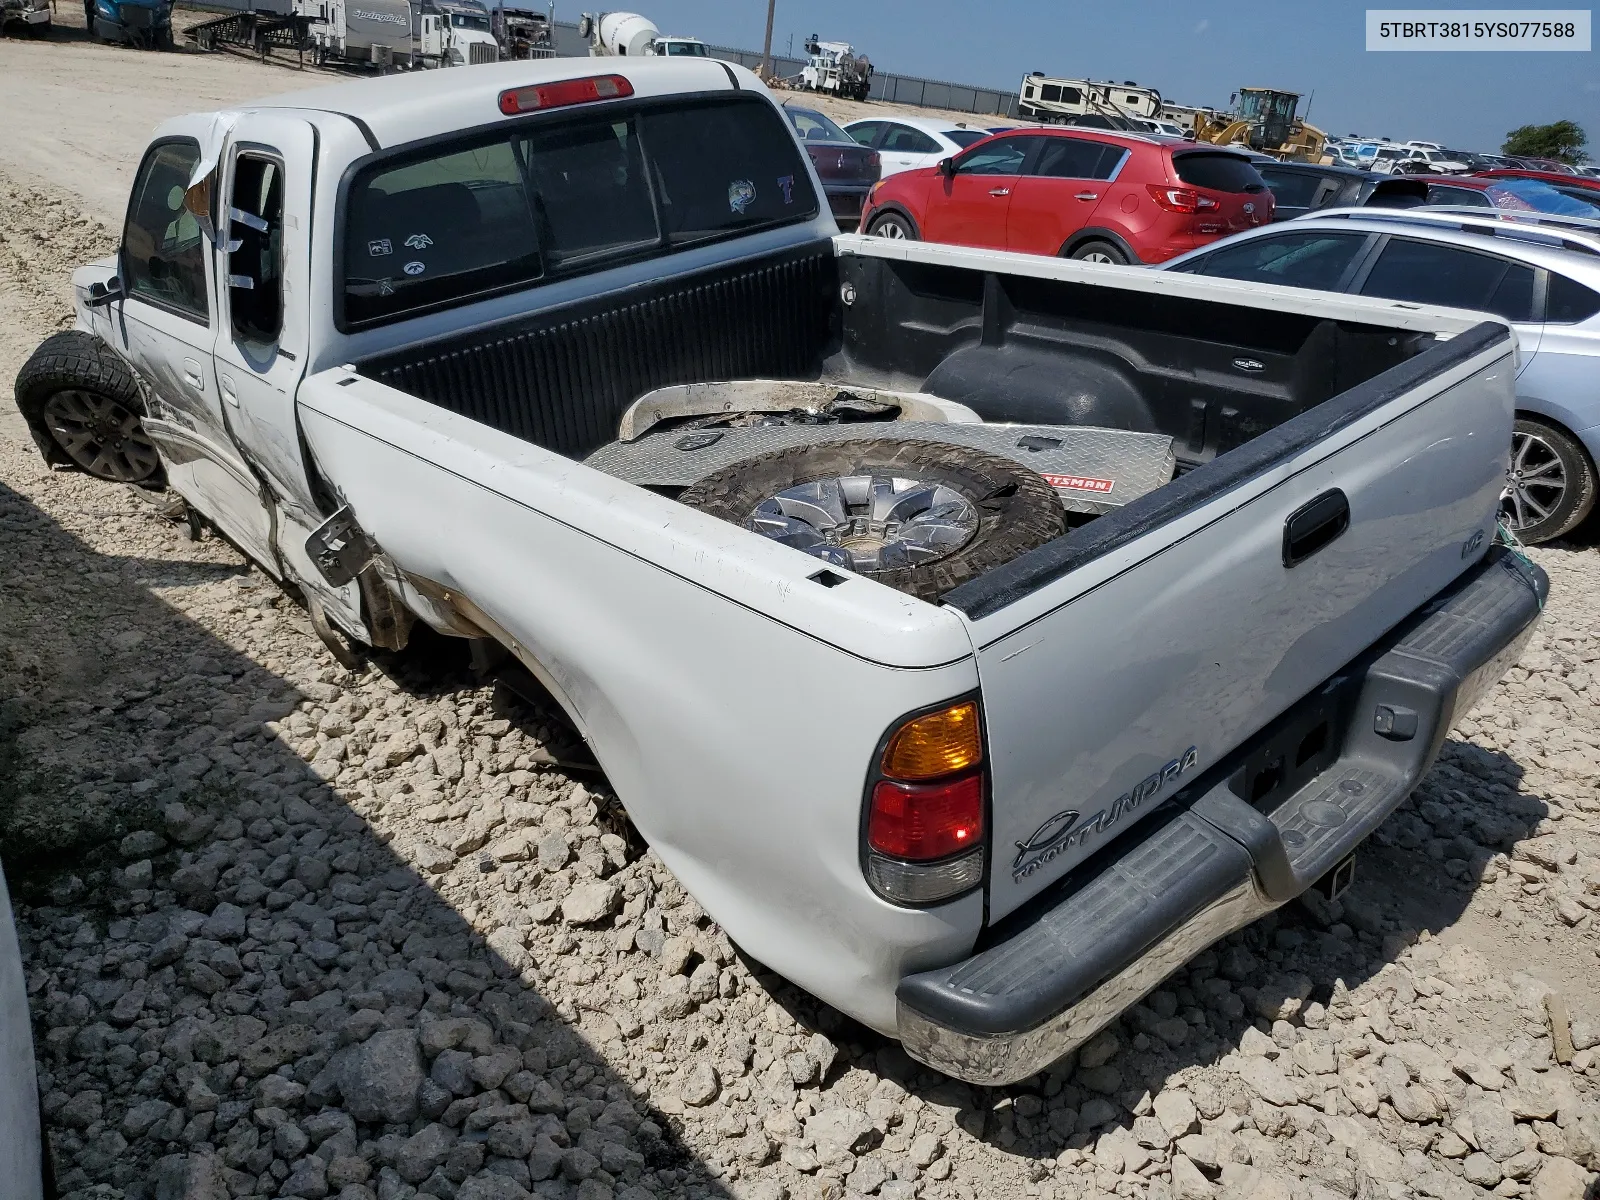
<point x="1084" y="236"/>
<point x="898" y="210"/>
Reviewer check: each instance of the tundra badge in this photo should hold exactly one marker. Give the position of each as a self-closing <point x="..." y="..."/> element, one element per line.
<point x="1062" y="831"/>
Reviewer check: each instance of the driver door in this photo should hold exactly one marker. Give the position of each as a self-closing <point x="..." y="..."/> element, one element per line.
<point x="165" y="326"/>
<point x="971" y="206"/>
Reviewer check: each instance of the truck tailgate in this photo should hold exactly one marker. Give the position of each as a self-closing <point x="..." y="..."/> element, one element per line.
<point x="1119" y="662"/>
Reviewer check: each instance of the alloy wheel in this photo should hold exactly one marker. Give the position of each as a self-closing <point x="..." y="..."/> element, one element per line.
<point x="101" y="436"/>
<point x="869" y="523"/>
<point x="1536" y="481"/>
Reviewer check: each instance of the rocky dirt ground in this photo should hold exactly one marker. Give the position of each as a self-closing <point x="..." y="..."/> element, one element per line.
<point x="293" y="931"/>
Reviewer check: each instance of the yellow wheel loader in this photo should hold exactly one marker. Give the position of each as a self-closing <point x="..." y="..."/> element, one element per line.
<point x="1265" y="121"/>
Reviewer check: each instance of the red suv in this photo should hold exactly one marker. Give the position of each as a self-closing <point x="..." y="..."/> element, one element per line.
<point x="1080" y="193"/>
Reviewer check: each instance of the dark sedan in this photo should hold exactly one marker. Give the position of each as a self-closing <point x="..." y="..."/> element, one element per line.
<point x="847" y="169"/>
<point x="1300" y="188"/>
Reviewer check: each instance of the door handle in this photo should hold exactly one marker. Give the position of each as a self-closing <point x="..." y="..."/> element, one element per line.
<point x="192" y="375"/>
<point x="1088" y="195"/>
<point x="1313" y="526"/>
<point x="999" y="191"/>
<point x="229" y="392"/>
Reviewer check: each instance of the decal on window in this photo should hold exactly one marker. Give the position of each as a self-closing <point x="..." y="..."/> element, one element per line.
<point x="385" y="288"/>
<point x="415" y="268"/>
<point x="379" y="247"/>
<point x="786" y="184"/>
<point x="419" y="241"/>
<point x="741" y="195"/>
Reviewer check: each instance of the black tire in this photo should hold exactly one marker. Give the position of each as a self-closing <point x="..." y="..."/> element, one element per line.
<point x="1015" y="509"/>
<point x="1098" y="251"/>
<point x="1549" y="473"/>
<point x="892" y="225"/>
<point x="82" y="405"/>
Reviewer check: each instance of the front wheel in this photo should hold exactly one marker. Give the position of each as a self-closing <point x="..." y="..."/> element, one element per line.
<point x="1550" y="482"/>
<point x="83" y="406"/>
<point x="1100" y="252"/>
<point x="892" y="226"/>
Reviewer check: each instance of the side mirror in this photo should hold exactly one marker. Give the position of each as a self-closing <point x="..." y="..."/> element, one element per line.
<point x="197" y="202"/>
<point x="102" y="294"/>
<point x="947" y="167"/>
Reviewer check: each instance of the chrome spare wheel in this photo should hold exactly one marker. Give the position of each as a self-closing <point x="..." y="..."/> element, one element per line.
<point x="1536" y="482"/>
<point x="101" y="436"/>
<point x="869" y="523"/>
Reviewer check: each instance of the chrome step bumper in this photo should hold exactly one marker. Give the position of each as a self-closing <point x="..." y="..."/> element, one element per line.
<point x="1212" y="862"/>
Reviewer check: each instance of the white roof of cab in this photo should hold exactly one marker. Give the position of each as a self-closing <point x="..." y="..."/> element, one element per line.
<point x="413" y="105"/>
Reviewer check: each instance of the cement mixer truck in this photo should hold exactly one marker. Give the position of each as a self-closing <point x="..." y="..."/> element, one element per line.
<point x="620" y="34"/>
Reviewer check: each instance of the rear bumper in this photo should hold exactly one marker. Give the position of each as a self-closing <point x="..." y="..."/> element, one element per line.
<point x="1211" y="862"/>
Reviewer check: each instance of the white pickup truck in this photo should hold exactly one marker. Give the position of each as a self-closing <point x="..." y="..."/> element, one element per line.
<point x="976" y="636"/>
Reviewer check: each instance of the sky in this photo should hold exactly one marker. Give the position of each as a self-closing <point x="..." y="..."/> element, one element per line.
<point x="1192" y="53"/>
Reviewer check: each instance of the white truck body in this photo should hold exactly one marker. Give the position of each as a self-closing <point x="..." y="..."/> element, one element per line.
<point x="456" y="35"/>
<point x="836" y="67"/>
<point x="1117" y="669"/>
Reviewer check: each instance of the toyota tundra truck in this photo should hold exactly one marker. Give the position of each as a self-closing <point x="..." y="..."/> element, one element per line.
<point x="976" y="636"/>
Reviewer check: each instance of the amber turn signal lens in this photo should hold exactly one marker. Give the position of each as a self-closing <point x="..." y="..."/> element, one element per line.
<point x="935" y="744"/>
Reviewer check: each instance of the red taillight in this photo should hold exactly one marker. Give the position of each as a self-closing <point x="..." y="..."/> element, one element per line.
<point x="567" y="91"/>
<point x="872" y="158"/>
<point x="923" y="821"/>
<point x="1181" y="199"/>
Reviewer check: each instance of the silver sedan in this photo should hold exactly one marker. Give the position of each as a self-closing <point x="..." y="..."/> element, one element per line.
<point x="1540" y="273"/>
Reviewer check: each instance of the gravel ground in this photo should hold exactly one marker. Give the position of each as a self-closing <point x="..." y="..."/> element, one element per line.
<point x="297" y="932"/>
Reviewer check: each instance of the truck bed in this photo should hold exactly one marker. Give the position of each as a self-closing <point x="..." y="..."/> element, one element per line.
<point x="1012" y="347"/>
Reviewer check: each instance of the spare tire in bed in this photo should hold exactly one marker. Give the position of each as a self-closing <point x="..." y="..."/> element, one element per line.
<point x="922" y="517"/>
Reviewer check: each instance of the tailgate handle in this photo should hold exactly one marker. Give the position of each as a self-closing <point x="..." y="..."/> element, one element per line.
<point x="1312" y="526"/>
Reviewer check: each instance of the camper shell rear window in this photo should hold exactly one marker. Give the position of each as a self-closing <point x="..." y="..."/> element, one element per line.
<point x="472" y="215"/>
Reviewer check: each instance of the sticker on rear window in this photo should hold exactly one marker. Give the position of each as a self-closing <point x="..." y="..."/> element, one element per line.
<point x="1079" y="483"/>
<point x="741" y="195"/>
<point x="786" y="185"/>
<point x="415" y="268"/>
<point x="419" y="241"/>
<point x="379" y="247"/>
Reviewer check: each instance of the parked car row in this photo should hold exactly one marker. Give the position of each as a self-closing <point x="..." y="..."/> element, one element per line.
<point x="1531" y="256"/>
<point x="1079" y="193"/>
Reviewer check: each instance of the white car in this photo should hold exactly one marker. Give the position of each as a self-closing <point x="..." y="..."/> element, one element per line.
<point x="906" y="143"/>
<point x="25" y="1169"/>
<point x="1389" y="158"/>
<point x="1169" y="129"/>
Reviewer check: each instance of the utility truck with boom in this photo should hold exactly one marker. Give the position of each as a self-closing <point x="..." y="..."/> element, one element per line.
<point x="976" y="636"/>
<point x="836" y="67"/>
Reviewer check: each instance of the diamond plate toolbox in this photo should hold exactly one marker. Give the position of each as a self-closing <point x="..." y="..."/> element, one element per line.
<point x="1093" y="470"/>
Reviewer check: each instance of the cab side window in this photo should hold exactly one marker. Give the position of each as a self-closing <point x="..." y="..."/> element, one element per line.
<point x="163" y="248"/>
<point x="903" y="139"/>
<point x="255" y="266"/>
<point x="1002" y="156"/>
